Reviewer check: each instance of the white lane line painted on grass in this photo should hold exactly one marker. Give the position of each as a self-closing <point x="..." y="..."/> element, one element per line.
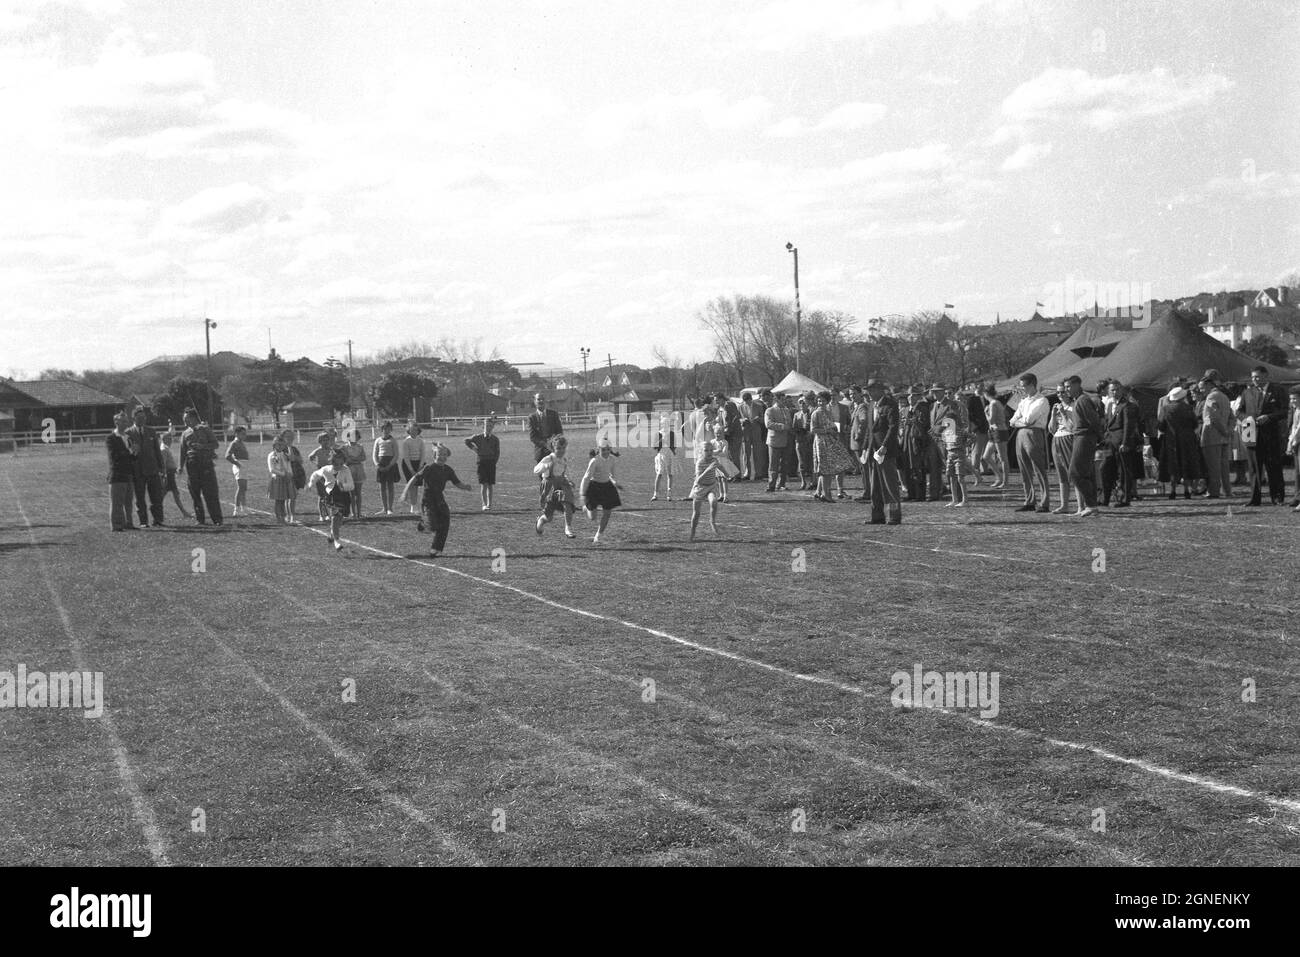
<point x="458" y="852"/>
<point x="859" y="764"/>
<point x="1207" y="783"/>
<point x="141" y="809"/>
<point x="657" y="791"/>
<point x="1235" y="666"/>
<point x="1096" y="579"/>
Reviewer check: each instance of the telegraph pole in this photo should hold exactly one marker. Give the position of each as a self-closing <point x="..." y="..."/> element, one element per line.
<point x="351" y="405"/>
<point x="798" y="318"/>
<point x="208" y="326"/>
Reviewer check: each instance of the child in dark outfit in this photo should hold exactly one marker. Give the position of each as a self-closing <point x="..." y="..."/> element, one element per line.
<point x="437" y="515"/>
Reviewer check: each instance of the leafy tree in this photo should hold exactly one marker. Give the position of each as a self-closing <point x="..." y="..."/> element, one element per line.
<point x="268" y="385"/>
<point x="397" y="389"/>
<point x="183" y="392"/>
<point x="1265" y="349"/>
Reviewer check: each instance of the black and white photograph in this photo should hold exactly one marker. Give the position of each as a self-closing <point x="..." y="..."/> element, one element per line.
<point x="569" y="434"/>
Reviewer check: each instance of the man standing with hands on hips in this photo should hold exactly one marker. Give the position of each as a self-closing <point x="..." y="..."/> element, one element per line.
<point x="1031" y="443"/>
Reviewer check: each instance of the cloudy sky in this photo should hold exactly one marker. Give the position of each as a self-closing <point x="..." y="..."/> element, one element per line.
<point x="545" y="175"/>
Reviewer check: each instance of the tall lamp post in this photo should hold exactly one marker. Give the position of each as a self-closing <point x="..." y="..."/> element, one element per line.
<point x="798" y="317"/>
<point x="208" y="326"/>
<point x="585" y="352"/>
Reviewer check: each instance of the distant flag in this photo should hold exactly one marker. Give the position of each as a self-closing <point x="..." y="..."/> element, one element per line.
<point x="1039" y="305"/>
<point x="948" y="305"/>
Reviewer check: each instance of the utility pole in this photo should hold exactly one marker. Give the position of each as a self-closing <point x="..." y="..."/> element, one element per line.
<point x="351" y="405"/>
<point x="798" y="318"/>
<point x="610" y="359"/>
<point x="585" y="352"/>
<point x="208" y="326"/>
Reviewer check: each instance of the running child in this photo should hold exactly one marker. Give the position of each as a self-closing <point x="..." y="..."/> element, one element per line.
<point x="665" y="464"/>
<point x="599" y="488"/>
<point x="488" y="449"/>
<point x="333" y="483"/>
<point x="557" y="490"/>
<point x="236" y="455"/>
<point x="711" y="463"/>
<point x="320" y="457"/>
<point x="437" y="515"/>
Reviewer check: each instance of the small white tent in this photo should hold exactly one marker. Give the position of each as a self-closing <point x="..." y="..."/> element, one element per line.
<point x="796" y="383"/>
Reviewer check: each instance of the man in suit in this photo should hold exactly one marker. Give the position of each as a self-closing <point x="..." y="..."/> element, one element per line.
<point x="148" y="474"/>
<point x="1123" y="434"/>
<point x="880" y="454"/>
<point x="197" y="458"/>
<point x="1270" y="405"/>
<point x="859" y="435"/>
<point x="777" y="421"/>
<point x="1216" y="438"/>
<point x="1089" y="427"/>
<point x="543" y="425"/>
<point x="757" y="409"/>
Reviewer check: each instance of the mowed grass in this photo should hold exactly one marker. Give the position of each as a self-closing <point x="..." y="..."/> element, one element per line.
<point x="649" y="701"/>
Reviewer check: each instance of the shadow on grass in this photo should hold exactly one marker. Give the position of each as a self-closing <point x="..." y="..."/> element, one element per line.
<point x="16" y="546"/>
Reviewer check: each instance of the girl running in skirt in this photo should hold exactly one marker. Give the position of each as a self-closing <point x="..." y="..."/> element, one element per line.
<point x="557" y="490"/>
<point x="599" y="488"/>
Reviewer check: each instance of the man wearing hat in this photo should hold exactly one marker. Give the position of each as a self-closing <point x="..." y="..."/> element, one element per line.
<point x="880" y="453"/>
<point x="1216" y="439"/>
<point x="934" y="454"/>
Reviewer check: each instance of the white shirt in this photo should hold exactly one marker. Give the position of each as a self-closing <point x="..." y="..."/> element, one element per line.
<point x="413" y="449"/>
<point x="1032" y="412"/>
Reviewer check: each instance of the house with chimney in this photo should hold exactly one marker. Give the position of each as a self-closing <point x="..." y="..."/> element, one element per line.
<point x="1271" y="313"/>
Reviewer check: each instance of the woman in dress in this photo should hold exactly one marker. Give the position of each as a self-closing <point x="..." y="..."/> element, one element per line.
<point x="299" y="472"/>
<point x="386" y="454"/>
<point x="1180" y="450"/>
<point x="281" y="489"/>
<point x="830" y="457"/>
<point x="803" y="440"/>
<point x="557" y="490"/>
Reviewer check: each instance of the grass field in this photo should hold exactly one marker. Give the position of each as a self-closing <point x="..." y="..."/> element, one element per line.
<point x="506" y="716"/>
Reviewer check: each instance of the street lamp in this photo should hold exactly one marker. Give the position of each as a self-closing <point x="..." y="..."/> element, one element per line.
<point x="798" y="317"/>
<point x="585" y="352"/>
<point x="208" y="326"/>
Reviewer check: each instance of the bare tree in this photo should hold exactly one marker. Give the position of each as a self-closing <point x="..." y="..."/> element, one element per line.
<point x="725" y="319"/>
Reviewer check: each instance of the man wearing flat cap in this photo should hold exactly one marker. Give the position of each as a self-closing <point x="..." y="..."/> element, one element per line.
<point x="934" y="453"/>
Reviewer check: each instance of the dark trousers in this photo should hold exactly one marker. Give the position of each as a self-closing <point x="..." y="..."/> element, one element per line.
<point x="119" y="505"/>
<point x="1268" y="460"/>
<point x="1082" y="473"/>
<point x="760" y="459"/>
<point x="777" y="466"/>
<point x="203" y="488"/>
<point x="437" y="517"/>
<point x="883" y="480"/>
<point x="1115" y="476"/>
<point x="934" y="469"/>
<point x="152" y="485"/>
<point x="1031" y="457"/>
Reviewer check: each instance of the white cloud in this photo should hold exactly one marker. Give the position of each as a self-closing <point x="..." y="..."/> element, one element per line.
<point x="792" y="24"/>
<point x="846" y="117"/>
<point x="1027" y="155"/>
<point x="1102" y="103"/>
<point x="220" y="209"/>
<point x="709" y="108"/>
